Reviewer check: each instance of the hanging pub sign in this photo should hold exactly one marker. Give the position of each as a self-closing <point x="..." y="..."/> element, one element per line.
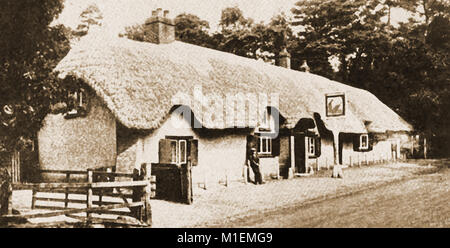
<point x="335" y="104"/>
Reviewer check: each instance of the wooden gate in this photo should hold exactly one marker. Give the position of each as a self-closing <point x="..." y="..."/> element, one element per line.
<point x="122" y="198"/>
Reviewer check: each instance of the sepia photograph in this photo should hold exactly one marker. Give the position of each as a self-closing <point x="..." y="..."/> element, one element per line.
<point x="223" y="114"/>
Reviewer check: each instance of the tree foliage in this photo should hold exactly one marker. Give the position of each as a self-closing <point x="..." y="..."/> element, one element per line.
<point x="29" y="50"/>
<point x="191" y="29"/>
<point x="91" y="16"/>
<point x="407" y="66"/>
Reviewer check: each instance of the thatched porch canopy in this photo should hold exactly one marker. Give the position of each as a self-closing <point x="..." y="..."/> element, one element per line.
<point x="138" y="81"/>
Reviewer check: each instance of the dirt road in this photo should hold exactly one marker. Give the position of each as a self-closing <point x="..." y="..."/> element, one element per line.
<point x="419" y="202"/>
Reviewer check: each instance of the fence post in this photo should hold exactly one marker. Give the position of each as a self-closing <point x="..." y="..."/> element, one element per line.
<point x="351" y="164"/>
<point x="89" y="195"/>
<point x="136" y="195"/>
<point x="66" y="198"/>
<point x="146" y="211"/>
<point x="317" y="164"/>
<point x="33" y="198"/>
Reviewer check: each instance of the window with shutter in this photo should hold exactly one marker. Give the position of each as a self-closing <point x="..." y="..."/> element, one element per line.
<point x="364" y="142"/>
<point x="173" y="151"/>
<point x="311" y="146"/>
<point x="176" y="151"/>
<point x="182" y="151"/>
<point x="77" y="104"/>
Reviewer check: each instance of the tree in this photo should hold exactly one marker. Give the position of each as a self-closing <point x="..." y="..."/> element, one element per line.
<point x="236" y="34"/>
<point x="29" y="50"/>
<point x="406" y="67"/>
<point x="191" y="29"/>
<point x="91" y="16"/>
<point x="339" y="29"/>
<point x="273" y="37"/>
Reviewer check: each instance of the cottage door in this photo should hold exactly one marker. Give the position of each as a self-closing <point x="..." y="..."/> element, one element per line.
<point x="300" y="153"/>
<point x="177" y="155"/>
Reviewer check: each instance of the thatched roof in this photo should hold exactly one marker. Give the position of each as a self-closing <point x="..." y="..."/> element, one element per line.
<point x="139" y="80"/>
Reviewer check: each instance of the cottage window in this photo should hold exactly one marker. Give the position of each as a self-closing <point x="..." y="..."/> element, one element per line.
<point x="364" y="142"/>
<point x="178" y="150"/>
<point x="77" y="104"/>
<point x="173" y="151"/>
<point x="311" y="146"/>
<point x="265" y="145"/>
<point x="182" y="154"/>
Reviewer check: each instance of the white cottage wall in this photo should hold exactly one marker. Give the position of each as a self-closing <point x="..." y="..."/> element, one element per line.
<point x="220" y="158"/>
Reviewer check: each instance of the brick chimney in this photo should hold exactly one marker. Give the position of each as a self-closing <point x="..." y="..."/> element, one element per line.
<point x="159" y="28"/>
<point x="284" y="59"/>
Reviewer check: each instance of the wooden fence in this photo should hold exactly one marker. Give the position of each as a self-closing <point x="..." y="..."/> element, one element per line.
<point x="99" y="195"/>
<point x="15" y="167"/>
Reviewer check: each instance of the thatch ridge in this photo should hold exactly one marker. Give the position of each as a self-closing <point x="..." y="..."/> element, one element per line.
<point x="138" y="81"/>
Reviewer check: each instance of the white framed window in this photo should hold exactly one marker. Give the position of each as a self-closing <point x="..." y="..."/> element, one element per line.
<point x="364" y="141"/>
<point x="265" y="145"/>
<point x="182" y="147"/>
<point x="78" y="102"/>
<point x="311" y="146"/>
<point x="178" y="150"/>
<point x="174" y="151"/>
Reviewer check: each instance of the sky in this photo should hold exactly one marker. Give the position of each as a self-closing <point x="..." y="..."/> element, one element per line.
<point x="121" y="13"/>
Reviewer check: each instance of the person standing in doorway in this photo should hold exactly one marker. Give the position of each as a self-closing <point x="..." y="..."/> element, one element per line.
<point x="254" y="164"/>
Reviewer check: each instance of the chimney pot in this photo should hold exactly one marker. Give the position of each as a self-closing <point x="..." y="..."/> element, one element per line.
<point x="159" y="28"/>
<point x="284" y="59"/>
<point x="158" y="12"/>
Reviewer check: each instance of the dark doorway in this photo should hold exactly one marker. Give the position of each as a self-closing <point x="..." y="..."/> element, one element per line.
<point x="299" y="146"/>
<point x="173" y="183"/>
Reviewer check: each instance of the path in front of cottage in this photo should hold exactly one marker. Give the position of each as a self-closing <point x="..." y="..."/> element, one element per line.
<point x="250" y="205"/>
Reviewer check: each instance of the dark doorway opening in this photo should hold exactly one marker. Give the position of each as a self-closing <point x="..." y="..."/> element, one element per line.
<point x="299" y="146"/>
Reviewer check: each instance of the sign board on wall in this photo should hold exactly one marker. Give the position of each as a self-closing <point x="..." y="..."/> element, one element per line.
<point x="335" y="104"/>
